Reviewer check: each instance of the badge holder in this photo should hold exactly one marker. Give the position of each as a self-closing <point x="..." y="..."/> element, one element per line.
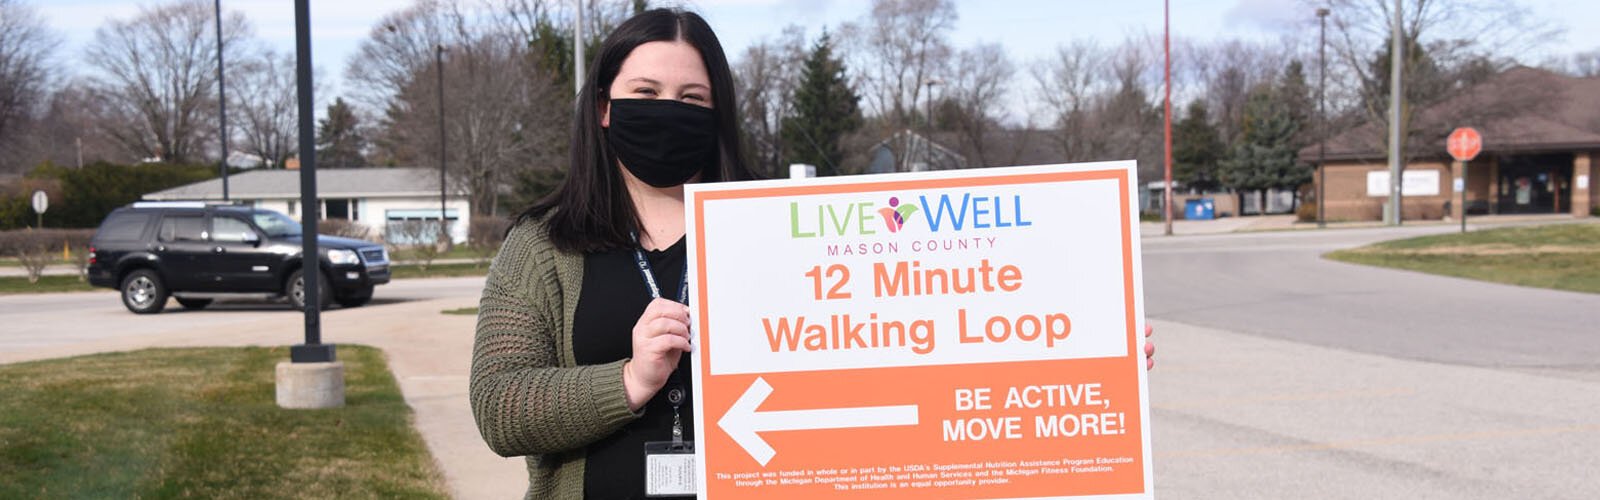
<point x="669" y="466"/>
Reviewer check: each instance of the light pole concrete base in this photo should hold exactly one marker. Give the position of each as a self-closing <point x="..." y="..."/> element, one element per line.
<point x="310" y="385"/>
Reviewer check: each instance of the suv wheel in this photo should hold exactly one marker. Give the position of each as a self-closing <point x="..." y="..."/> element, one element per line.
<point x="296" y="290"/>
<point x="194" y="304"/>
<point x="143" y="292"/>
<point x="356" y="298"/>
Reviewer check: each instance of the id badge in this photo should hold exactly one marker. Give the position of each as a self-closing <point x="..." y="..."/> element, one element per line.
<point x="669" y="469"/>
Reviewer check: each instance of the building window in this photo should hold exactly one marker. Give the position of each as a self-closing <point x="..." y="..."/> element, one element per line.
<point x="341" y="208"/>
<point x="412" y="227"/>
<point x="291" y="207"/>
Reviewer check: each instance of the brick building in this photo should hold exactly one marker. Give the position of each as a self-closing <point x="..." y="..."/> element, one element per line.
<point x="1541" y="137"/>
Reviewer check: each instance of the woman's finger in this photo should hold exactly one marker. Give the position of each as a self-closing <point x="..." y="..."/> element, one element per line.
<point x="668" y="327"/>
<point x="663" y="308"/>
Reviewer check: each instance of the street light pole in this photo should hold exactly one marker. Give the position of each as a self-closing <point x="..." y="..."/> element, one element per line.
<point x="1322" y="118"/>
<point x="313" y="351"/>
<point x="438" y="65"/>
<point x="222" y="107"/>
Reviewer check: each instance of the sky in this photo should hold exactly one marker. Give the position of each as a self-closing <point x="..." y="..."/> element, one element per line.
<point x="1028" y="29"/>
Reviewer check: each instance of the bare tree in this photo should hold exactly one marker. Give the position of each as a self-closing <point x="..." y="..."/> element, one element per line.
<point x="1070" y="82"/>
<point x="767" y="76"/>
<point x="1450" y="46"/>
<point x="25" y="47"/>
<point x="70" y="131"/>
<point x="1227" y="70"/>
<point x="264" y="96"/>
<point x="901" y="45"/>
<point x="504" y="115"/>
<point x="975" y="93"/>
<point x="158" y="69"/>
<point x="1104" y="101"/>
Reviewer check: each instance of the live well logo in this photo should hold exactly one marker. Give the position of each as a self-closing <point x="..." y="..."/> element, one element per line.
<point x="945" y="212"/>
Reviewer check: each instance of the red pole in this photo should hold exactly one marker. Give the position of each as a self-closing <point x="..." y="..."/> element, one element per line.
<point x="1167" y="76"/>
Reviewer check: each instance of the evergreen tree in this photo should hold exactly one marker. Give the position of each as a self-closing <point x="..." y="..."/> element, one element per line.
<point x="1264" y="155"/>
<point x="825" y="109"/>
<point x="339" y="140"/>
<point x="1196" y="149"/>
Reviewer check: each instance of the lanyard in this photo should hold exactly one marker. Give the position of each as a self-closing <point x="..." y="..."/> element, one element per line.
<point x="675" y="394"/>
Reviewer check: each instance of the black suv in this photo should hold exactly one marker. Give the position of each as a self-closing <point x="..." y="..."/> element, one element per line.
<point x="197" y="251"/>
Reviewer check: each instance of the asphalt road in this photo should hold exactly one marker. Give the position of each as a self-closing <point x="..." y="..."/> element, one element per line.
<point x="1275" y="285"/>
<point x="1281" y="375"/>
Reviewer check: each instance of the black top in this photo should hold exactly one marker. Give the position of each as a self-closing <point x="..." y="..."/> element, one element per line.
<point x="614" y="295"/>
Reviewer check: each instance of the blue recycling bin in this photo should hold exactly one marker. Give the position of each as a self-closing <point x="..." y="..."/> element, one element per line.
<point x="1200" y="209"/>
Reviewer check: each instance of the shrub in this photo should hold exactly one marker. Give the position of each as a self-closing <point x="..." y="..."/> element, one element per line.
<point x="36" y="249"/>
<point x="419" y="239"/>
<point x="344" y="229"/>
<point x="89" y="193"/>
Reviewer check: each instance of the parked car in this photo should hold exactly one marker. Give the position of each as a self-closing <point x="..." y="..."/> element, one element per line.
<point x="197" y="252"/>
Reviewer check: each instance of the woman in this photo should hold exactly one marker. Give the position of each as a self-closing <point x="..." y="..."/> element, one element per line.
<point x="576" y="349"/>
<point x="555" y="375"/>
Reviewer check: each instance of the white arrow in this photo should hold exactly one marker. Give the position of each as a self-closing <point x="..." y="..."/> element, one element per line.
<point x="742" y="421"/>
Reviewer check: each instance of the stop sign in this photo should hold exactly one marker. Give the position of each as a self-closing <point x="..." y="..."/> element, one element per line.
<point x="1464" y="144"/>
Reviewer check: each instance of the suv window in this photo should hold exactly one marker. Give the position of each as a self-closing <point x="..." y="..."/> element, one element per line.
<point x="123" y="227"/>
<point x="275" y="224"/>
<point x="231" y="230"/>
<point x="183" y="228"/>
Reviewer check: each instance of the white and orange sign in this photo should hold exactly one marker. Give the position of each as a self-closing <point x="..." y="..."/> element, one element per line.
<point x="970" y="333"/>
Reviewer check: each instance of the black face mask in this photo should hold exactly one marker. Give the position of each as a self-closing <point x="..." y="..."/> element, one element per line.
<point x="662" y="142"/>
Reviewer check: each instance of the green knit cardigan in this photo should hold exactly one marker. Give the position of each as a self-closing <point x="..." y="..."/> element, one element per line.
<point x="529" y="395"/>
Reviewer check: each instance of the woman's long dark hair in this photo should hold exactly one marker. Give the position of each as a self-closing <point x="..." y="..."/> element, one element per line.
<point x="592" y="210"/>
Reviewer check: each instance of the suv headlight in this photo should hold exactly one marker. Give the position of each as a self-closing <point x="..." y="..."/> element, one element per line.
<point x="343" y="257"/>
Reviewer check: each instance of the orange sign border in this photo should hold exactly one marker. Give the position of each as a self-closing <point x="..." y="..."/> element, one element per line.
<point x="702" y="328"/>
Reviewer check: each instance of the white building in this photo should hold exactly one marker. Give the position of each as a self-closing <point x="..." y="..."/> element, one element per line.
<point x="375" y="197"/>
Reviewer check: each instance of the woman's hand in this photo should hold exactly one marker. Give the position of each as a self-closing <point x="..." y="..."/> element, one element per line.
<point x="1149" y="348"/>
<point x="659" y="338"/>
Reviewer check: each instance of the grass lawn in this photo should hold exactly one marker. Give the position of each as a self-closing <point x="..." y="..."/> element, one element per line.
<point x="163" y="423"/>
<point x="438" y="271"/>
<point x="19" y="284"/>
<point x="465" y="311"/>
<point x="456" y="252"/>
<point x="1559" y="256"/>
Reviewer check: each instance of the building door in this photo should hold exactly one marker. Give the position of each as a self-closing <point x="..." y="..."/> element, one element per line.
<point x="1535" y="184"/>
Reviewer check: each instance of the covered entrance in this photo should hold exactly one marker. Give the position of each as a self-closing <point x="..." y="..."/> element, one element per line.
<point x="1534" y="184"/>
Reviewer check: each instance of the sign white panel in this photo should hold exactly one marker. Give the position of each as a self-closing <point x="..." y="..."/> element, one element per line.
<point x="1414" y="183"/>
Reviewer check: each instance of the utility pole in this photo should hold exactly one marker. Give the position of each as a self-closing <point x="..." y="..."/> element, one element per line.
<point x="1322" y="118"/>
<point x="438" y="65"/>
<point x="222" y="107"/>
<point x="1396" y="162"/>
<point x="577" y="51"/>
<point x="1166" y="41"/>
